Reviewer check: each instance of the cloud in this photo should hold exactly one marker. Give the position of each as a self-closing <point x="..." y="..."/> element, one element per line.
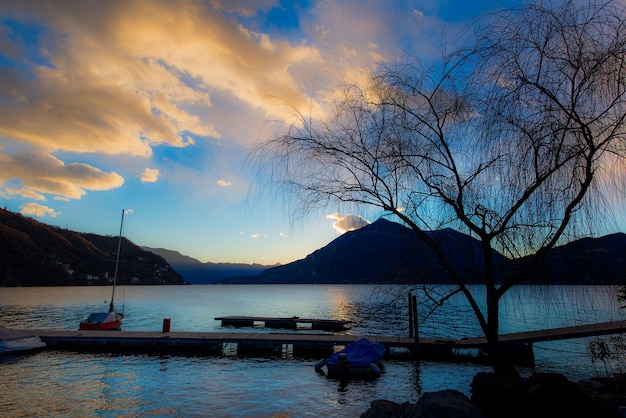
<point x="150" y="175"/>
<point x="255" y="236"/>
<point x="224" y="183"/>
<point x="38" y="210"/>
<point x="345" y="223"/>
<point x="26" y="193"/>
<point x="45" y="174"/>
<point x="121" y="78"/>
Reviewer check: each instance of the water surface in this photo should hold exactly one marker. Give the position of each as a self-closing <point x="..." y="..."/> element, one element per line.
<point x="59" y="383"/>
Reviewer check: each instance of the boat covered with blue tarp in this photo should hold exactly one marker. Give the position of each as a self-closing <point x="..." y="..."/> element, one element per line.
<point x="362" y="358"/>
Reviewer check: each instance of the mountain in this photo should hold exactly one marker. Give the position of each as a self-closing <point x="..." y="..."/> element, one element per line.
<point x="388" y="252"/>
<point x="585" y="261"/>
<point x="383" y="251"/>
<point x="35" y="254"/>
<point x="197" y="272"/>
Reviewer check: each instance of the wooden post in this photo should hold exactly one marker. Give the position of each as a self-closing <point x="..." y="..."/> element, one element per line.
<point x="416" y="328"/>
<point x="410" y="315"/>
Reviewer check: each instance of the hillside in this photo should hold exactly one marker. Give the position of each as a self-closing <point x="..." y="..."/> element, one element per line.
<point x="35" y="254"/>
<point x="197" y="272"/>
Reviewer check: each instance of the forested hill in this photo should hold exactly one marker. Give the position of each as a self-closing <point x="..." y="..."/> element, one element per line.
<point x="35" y="254"/>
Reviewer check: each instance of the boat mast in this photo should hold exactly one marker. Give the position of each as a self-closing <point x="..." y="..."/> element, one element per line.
<point x="117" y="262"/>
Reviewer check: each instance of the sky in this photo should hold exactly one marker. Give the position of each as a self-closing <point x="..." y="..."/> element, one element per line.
<point x="153" y="107"/>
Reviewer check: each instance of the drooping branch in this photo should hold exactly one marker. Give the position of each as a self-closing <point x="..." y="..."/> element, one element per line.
<point x="502" y="139"/>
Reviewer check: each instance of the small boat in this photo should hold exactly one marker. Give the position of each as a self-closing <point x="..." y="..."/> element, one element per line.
<point x="11" y="341"/>
<point x="362" y="358"/>
<point x="111" y="320"/>
<point x="103" y="321"/>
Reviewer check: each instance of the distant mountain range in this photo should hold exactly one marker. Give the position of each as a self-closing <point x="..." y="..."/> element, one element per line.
<point x="387" y="252"/>
<point x="383" y="251"/>
<point x="35" y="254"/>
<point x="197" y="272"/>
<point x="599" y="260"/>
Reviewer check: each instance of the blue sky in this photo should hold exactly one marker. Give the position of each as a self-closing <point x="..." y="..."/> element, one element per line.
<point x="153" y="107"/>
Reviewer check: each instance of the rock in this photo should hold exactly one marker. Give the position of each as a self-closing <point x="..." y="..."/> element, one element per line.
<point x="442" y="404"/>
<point x="608" y="394"/>
<point x="380" y="408"/>
<point x="542" y="395"/>
<point x="552" y="395"/>
<point x="445" y="404"/>
<point x="495" y="394"/>
<point x="594" y="386"/>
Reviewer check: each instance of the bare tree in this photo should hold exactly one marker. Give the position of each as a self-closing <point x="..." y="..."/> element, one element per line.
<point x="514" y="140"/>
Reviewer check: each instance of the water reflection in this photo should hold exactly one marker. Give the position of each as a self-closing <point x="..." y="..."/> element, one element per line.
<point x="414" y="377"/>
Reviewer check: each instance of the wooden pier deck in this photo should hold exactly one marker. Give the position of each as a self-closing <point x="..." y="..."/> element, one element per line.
<point x="210" y="343"/>
<point x="553" y="334"/>
<point x="302" y="344"/>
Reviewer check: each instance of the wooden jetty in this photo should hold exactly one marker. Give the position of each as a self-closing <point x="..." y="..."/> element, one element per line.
<point x="298" y="344"/>
<point x="285" y="323"/>
<point x="553" y="334"/>
<point x="305" y="344"/>
<point x="518" y="346"/>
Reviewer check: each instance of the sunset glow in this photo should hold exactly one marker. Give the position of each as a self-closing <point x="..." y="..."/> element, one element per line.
<point x="154" y="106"/>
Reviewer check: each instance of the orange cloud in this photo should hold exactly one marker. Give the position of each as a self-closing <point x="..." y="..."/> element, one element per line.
<point x="44" y="174"/>
<point x="29" y="194"/>
<point x="38" y="210"/>
<point x="150" y="175"/>
<point x="119" y="78"/>
<point x="345" y="223"/>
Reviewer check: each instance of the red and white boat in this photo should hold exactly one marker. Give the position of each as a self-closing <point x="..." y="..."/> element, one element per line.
<point x="111" y="320"/>
<point x="103" y="321"/>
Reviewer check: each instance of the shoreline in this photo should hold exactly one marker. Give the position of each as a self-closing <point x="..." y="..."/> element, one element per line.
<point x="543" y="395"/>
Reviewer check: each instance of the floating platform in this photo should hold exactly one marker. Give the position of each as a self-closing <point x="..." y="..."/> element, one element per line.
<point x="284" y="323"/>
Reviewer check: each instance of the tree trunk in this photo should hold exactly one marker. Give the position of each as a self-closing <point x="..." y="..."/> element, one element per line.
<point x="501" y="364"/>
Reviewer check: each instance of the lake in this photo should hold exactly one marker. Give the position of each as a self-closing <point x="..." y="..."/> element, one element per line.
<point x="59" y="383"/>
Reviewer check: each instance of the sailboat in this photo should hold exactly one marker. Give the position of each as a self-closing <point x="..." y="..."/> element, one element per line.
<point x="111" y="320"/>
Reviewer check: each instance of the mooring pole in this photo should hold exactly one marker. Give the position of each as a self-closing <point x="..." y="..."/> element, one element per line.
<point x="416" y="328"/>
<point x="410" y="315"/>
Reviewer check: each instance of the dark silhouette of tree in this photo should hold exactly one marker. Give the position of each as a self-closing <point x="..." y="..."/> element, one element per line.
<point x="517" y="140"/>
